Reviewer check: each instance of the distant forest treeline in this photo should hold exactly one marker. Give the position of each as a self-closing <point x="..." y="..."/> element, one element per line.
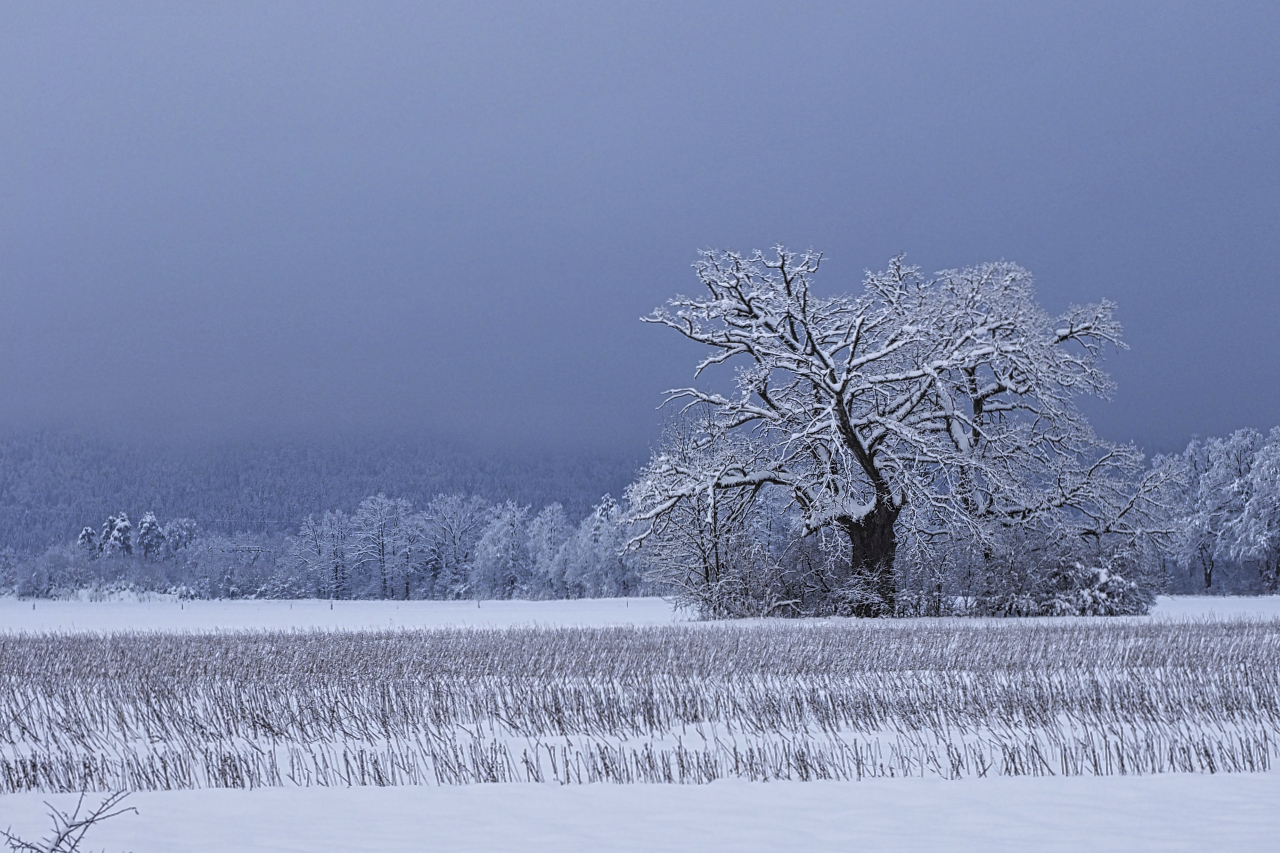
<point x="54" y="483"/>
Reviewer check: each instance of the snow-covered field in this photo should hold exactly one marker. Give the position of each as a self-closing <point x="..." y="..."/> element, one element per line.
<point x="1152" y="813"/>
<point x="172" y="615"/>
<point x="1216" y="607"/>
<point x="1171" y="811"/>
<point x="74" y="616"/>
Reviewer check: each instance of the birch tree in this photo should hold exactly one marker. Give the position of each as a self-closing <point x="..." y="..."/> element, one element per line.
<point x="322" y="552"/>
<point x="595" y="559"/>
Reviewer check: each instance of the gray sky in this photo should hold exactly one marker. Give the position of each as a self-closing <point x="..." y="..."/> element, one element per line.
<point x="447" y="218"/>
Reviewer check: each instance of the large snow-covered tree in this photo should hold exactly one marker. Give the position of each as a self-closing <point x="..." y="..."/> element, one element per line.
<point x="954" y="395"/>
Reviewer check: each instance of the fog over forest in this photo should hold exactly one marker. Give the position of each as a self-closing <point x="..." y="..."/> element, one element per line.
<point x="288" y="286"/>
<point x="55" y="483"/>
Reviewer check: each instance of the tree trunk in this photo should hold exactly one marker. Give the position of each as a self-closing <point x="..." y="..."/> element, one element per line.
<point x="1270" y="571"/>
<point x="873" y="542"/>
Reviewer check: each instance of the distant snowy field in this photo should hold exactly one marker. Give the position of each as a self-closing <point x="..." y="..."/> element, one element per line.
<point x="171" y="615"/>
<point x="1168" y="812"/>
<point x="160" y="615"/>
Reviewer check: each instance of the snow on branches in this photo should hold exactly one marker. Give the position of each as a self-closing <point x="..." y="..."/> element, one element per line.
<point x="953" y="396"/>
<point x="1230" y="506"/>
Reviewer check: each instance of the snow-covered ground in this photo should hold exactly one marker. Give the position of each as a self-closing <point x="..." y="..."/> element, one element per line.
<point x="1216" y="607"/>
<point x="172" y="615"/>
<point x="1166" y="813"/>
<point x="160" y="615"/>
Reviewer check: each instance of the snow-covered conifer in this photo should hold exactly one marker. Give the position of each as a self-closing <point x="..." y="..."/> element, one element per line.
<point x="104" y="536"/>
<point x="118" y="538"/>
<point x="150" y="537"/>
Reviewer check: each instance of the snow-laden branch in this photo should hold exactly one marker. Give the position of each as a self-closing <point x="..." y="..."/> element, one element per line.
<point x="956" y="393"/>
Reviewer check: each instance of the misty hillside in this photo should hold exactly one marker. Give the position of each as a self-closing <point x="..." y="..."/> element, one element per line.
<point x="52" y="484"/>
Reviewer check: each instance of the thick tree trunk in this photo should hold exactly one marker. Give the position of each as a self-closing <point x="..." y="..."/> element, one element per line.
<point x="873" y="542"/>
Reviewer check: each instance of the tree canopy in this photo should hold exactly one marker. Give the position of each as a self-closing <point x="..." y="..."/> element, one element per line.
<point x="950" y="400"/>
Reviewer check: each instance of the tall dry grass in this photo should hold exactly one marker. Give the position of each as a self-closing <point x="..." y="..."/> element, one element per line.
<point x="672" y="704"/>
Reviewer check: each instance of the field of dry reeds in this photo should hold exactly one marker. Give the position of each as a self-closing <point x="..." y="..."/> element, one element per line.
<point x="683" y="704"/>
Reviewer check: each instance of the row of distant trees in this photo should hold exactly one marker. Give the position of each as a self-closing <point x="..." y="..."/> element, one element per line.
<point x="1226" y="513"/>
<point x="458" y="546"/>
<point x="462" y="546"/>
<point x="52" y="483"/>
<point x="1219" y="508"/>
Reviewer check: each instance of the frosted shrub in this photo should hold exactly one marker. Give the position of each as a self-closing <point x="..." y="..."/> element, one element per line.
<point x="1080" y="590"/>
<point x="1026" y="576"/>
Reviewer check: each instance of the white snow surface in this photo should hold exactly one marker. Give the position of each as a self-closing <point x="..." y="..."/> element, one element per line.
<point x="159" y="614"/>
<point x="1173" y="812"/>
<point x="1216" y="607"/>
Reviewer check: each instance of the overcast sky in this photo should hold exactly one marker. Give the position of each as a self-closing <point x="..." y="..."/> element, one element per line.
<point x="447" y="219"/>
